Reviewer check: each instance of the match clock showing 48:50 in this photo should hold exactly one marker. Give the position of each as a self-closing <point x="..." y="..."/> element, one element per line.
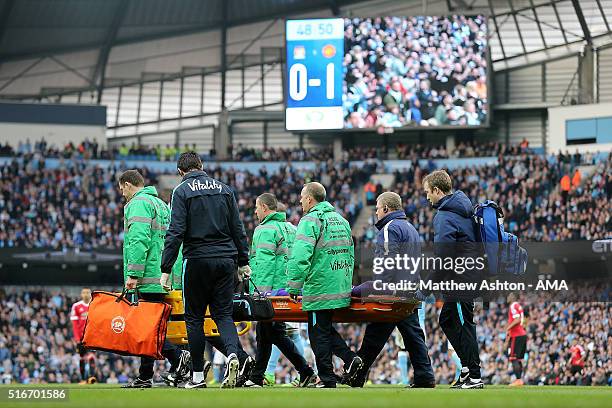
<point x="315" y="50"/>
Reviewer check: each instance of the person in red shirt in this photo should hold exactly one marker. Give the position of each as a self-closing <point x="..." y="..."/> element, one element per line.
<point x="517" y="337"/>
<point x="577" y="358"/>
<point x="78" y="317"/>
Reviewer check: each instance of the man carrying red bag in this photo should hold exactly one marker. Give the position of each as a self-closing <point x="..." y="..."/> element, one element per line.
<point x="146" y="219"/>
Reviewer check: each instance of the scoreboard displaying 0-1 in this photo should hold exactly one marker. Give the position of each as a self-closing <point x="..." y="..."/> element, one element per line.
<point x="315" y="50"/>
<point x="373" y="73"/>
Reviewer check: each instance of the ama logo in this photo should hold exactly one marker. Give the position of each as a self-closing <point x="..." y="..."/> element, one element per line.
<point x="118" y="324"/>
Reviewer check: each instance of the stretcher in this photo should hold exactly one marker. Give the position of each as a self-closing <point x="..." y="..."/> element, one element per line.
<point x="386" y="309"/>
<point x="177" y="331"/>
<point x="361" y="310"/>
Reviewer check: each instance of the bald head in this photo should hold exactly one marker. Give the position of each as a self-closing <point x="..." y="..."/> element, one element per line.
<point x="316" y="191"/>
<point x="312" y="194"/>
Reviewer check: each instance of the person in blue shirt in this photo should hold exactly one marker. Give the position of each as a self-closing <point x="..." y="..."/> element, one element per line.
<point x="396" y="236"/>
<point x="454" y="235"/>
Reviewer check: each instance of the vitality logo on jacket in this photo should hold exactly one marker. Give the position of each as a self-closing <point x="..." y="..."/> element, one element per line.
<point x="207" y="185"/>
<point x="342" y="264"/>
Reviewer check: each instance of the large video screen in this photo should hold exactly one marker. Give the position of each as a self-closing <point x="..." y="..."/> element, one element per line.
<point x="386" y="72"/>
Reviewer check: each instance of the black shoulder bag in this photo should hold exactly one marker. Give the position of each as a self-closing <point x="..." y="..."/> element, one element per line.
<point x="252" y="307"/>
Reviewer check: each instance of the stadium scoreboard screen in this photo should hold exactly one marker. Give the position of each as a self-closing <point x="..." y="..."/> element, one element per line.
<point x="389" y="72"/>
<point x="315" y="49"/>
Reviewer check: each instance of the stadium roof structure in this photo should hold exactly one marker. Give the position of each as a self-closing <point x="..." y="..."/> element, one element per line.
<point x="88" y="51"/>
<point x="34" y="28"/>
<point x="31" y="28"/>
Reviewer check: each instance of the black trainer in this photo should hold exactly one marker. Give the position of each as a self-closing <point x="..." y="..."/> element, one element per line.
<point x="251" y="384"/>
<point x="245" y="371"/>
<point x="424" y="385"/>
<point x="307" y="379"/>
<point x="138" y="383"/>
<point x="353" y="369"/>
<point x="170" y="378"/>
<point x="183" y="369"/>
<point x="182" y="373"/>
<point x="358" y="380"/>
<point x="231" y="372"/>
<point x="190" y="384"/>
<point x="472" y="383"/>
<point x="462" y="378"/>
<point x="206" y="369"/>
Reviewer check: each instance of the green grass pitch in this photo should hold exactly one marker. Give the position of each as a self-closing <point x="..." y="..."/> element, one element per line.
<point x="105" y="396"/>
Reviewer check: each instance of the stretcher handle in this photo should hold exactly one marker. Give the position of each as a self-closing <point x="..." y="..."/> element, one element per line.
<point x="245" y="330"/>
<point x="241" y="332"/>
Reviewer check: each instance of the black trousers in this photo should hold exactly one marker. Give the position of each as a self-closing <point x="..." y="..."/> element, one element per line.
<point x="209" y="283"/>
<point x="171" y="351"/>
<point x="457" y="323"/>
<point x="325" y="341"/>
<point x="275" y="333"/>
<point x="377" y="334"/>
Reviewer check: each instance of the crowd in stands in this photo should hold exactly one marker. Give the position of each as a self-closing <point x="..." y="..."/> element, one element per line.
<point x="419" y="71"/>
<point x="93" y="150"/>
<point x="403" y="151"/>
<point x="36" y="344"/>
<point x="240" y="153"/>
<point x="78" y="205"/>
<point x="243" y="153"/>
<point x="539" y="200"/>
<point x="339" y="179"/>
<point x="552" y="329"/>
<point x="74" y="206"/>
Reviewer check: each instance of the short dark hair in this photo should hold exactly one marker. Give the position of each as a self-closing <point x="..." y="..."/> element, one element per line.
<point x="269" y="200"/>
<point x="439" y="179"/>
<point x="133" y="177"/>
<point x="189" y="161"/>
<point x="316" y="191"/>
